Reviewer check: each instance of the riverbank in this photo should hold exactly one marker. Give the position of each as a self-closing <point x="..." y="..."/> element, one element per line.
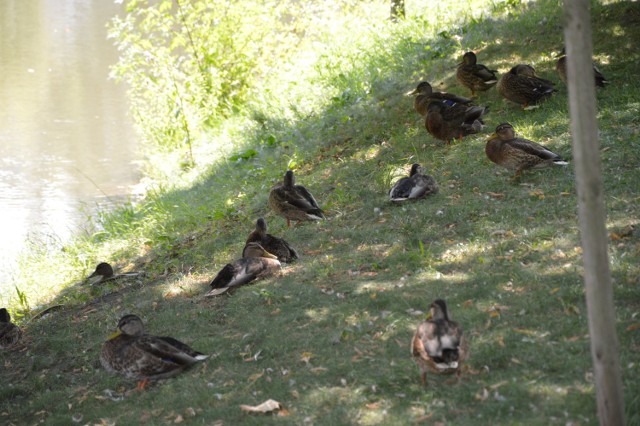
<point x="329" y="337"/>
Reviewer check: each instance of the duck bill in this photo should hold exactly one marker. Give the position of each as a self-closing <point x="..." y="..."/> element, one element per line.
<point x="492" y="136"/>
<point x="269" y="255"/>
<point x="411" y="93"/>
<point x="115" y="334"/>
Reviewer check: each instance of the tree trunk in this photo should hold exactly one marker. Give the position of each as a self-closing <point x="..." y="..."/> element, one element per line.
<point x="591" y="210"/>
<point x="397" y="10"/>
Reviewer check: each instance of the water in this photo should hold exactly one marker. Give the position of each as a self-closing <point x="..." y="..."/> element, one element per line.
<point x="67" y="146"/>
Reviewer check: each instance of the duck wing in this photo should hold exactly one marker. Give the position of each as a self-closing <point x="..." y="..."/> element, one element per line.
<point x="484" y="73"/>
<point x="306" y="201"/>
<point x="533" y="148"/>
<point x="401" y="190"/>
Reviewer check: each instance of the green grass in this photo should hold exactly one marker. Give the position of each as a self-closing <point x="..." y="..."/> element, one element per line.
<point x="333" y="331"/>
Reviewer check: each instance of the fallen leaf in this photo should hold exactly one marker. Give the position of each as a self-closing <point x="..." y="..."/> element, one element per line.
<point x="373" y="405"/>
<point x="555" y="290"/>
<point x="496" y="195"/>
<point x="482" y="396"/>
<point x="501" y="341"/>
<point x="256" y="376"/>
<point x="283" y="412"/>
<point x="306" y="357"/>
<point x="467" y="303"/>
<point x="537" y="193"/>
<point x="266" y="407"/>
<point x="633" y="327"/>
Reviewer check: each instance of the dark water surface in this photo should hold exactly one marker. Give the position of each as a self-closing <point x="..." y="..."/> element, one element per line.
<point x="67" y="146"/>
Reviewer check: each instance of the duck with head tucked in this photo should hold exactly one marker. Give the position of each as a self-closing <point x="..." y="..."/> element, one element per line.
<point x="136" y="355"/>
<point x="439" y="344"/>
<point x="424" y="94"/>
<point x="417" y="185"/>
<point x="274" y="245"/>
<point x="518" y="154"/>
<point x="476" y="77"/>
<point x="453" y="122"/>
<point x="256" y="263"/>
<point x="294" y="202"/>
<point x="10" y="333"/>
<point x="561" y="68"/>
<point x="522" y="86"/>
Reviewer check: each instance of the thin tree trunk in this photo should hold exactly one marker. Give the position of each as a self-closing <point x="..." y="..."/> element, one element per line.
<point x="591" y="210"/>
<point x="397" y="10"/>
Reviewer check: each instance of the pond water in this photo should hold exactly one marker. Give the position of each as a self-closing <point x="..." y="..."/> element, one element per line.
<point x="67" y="145"/>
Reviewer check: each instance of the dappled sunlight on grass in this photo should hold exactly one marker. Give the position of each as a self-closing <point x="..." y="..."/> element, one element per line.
<point x="329" y="336"/>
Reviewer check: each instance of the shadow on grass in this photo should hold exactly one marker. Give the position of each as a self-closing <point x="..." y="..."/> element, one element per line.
<point x="330" y="337"/>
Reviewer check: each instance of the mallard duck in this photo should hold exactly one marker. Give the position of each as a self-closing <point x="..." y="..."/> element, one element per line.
<point x="425" y="94"/>
<point x="474" y="76"/>
<point x="561" y="68"/>
<point x="439" y="344"/>
<point x="413" y="187"/>
<point x="294" y="202"/>
<point x="522" y="86"/>
<point x="518" y="154"/>
<point x="9" y="332"/>
<point x="449" y="122"/>
<point x="136" y="355"/>
<point x="104" y="272"/>
<point x="256" y="263"/>
<point x="274" y="245"/>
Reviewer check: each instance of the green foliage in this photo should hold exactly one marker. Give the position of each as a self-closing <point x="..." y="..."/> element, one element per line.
<point x="329" y="337"/>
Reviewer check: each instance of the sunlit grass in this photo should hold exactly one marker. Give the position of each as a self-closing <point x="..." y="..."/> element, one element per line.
<point x="329" y="336"/>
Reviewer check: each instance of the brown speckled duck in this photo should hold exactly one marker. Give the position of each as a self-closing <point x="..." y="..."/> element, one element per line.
<point x="104" y="272"/>
<point x="294" y="202"/>
<point x="256" y="263"/>
<point x="522" y="86"/>
<point x="424" y="94"/>
<point x="136" y="355"/>
<point x="274" y="245"/>
<point x="415" y="186"/>
<point x="10" y="333"/>
<point x="474" y="76"/>
<point x="504" y="149"/>
<point x="450" y="122"/>
<point x="561" y="68"/>
<point x="439" y="344"/>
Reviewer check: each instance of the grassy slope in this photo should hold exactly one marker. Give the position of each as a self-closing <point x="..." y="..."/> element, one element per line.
<point x="333" y="331"/>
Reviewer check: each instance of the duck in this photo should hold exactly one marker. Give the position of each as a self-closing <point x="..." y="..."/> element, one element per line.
<point x="294" y="202"/>
<point x="256" y="263"/>
<point x="504" y="149"/>
<point x="561" y="69"/>
<point x="522" y="86"/>
<point x="415" y="186"/>
<point x="474" y="76"/>
<point x="104" y="272"/>
<point x="10" y="333"/>
<point x="130" y="352"/>
<point x="449" y="122"/>
<point x="277" y="246"/>
<point x="439" y="344"/>
<point x="424" y="94"/>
